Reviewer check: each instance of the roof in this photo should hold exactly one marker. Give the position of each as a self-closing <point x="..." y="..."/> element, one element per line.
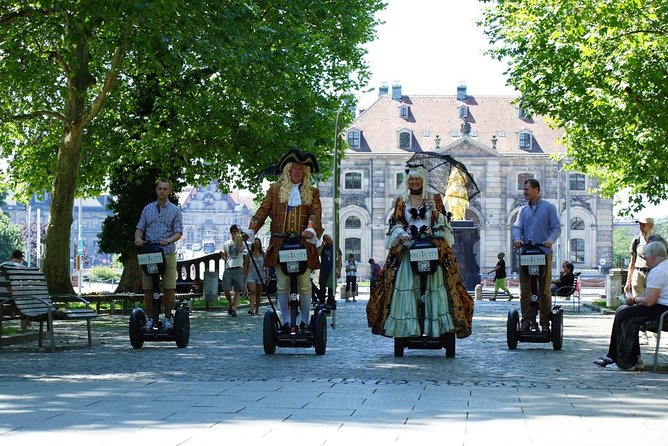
<point x="438" y="115"/>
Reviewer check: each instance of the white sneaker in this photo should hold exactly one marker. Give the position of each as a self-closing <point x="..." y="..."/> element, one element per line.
<point x="167" y="324"/>
<point x="149" y="324"/>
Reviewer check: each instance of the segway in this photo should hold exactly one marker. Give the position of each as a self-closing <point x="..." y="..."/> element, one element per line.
<point x="293" y="262"/>
<point x="152" y="261"/>
<point x="533" y="259"/>
<point x="423" y="256"/>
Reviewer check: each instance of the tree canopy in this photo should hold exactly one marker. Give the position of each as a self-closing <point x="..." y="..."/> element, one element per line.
<point x="203" y="89"/>
<point x="599" y="70"/>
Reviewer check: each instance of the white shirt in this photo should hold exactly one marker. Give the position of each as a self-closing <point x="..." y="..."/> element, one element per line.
<point x="658" y="278"/>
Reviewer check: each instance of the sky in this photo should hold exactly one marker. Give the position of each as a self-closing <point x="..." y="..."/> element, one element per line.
<point x="430" y="46"/>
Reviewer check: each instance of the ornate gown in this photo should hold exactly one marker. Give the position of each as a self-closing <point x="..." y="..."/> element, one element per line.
<point x="392" y="307"/>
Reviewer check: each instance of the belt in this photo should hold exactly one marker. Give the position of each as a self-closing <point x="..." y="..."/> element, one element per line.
<point x="643" y="270"/>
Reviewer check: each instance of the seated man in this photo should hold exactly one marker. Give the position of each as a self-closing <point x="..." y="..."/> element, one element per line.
<point x="565" y="281"/>
<point x="624" y="348"/>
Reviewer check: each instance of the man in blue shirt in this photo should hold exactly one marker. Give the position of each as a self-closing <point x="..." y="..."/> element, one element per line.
<point x="537" y="222"/>
<point x="161" y="222"/>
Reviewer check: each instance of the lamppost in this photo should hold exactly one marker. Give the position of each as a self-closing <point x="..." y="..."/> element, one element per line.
<point x="335" y="195"/>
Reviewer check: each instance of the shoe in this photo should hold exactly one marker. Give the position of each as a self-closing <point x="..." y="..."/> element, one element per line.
<point x="354" y="300"/>
<point x="251" y="312"/>
<point x="305" y="329"/>
<point x="510" y="298"/>
<point x="168" y="324"/>
<point x="285" y="328"/>
<point x="545" y="329"/>
<point x="149" y="324"/>
<point x="233" y="313"/>
<point x="604" y="361"/>
<point x="293" y="330"/>
<point x="229" y="311"/>
<point x="347" y="300"/>
<point x="635" y="368"/>
<point x="525" y="326"/>
<point x="493" y="299"/>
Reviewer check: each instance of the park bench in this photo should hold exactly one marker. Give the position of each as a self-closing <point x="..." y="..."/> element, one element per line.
<point x="657" y="325"/>
<point x="24" y="295"/>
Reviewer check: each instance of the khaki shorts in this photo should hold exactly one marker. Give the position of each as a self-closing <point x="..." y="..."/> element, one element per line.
<point x="168" y="281"/>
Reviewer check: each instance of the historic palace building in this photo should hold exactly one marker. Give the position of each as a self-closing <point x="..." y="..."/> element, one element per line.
<point x="501" y="147"/>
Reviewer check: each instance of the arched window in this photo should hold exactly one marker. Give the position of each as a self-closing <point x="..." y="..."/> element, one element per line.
<point x="353" y="180"/>
<point x="526" y="140"/>
<point x="353" y="222"/>
<point x="353" y="246"/>
<point x="577" y="224"/>
<point x="405" y="139"/>
<point x="577" y="250"/>
<point x="354" y="138"/>
<point x="521" y="178"/>
<point x="399" y="179"/>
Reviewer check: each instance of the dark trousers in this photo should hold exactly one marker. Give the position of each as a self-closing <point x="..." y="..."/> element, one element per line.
<point x="325" y="288"/>
<point x="624" y="346"/>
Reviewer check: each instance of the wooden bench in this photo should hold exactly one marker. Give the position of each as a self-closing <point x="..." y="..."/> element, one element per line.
<point x="657" y="326"/>
<point x="24" y="295"/>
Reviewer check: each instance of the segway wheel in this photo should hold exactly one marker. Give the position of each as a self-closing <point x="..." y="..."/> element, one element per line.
<point x="182" y="327"/>
<point x="557" y="330"/>
<point x="320" y="333"/>
<point x="450" y="341"/>
<point x="269" y="332"/>
<point x="399" y="348"/>
<point x="513" y="329"/>
<point x="137" y="322"/>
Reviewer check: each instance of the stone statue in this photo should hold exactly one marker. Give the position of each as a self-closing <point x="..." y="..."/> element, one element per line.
<point x="456" y="194"/>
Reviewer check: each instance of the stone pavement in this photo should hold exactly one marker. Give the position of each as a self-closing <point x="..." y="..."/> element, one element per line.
<point x="224" y="388"/>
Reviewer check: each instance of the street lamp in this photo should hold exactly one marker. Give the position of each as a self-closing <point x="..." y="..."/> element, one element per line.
<point x="335" y="195"/>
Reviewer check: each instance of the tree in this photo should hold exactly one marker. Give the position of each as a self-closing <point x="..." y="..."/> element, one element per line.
<point x="237" y="83"/>
<point x="598" y="69"/>
<point x="10" y="237"/>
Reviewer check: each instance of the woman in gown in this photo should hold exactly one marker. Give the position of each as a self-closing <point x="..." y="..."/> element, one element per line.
<point x="392" y="308"/>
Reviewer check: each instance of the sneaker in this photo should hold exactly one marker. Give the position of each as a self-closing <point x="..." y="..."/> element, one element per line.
<point x="293" y="330"/>
<point x="510" y="298"/>
<point x="149" y="324"/>
<point x="525" y="326"/>
<point x="545" y="328"/>
<point x="167" y="324"/>
<point x="305" y="328"/>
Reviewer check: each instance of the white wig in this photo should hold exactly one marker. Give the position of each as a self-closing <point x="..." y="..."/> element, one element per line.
<point x="418" y="171"/>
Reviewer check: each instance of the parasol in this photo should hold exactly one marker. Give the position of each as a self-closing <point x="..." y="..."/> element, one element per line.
<point x="449" y="178"/>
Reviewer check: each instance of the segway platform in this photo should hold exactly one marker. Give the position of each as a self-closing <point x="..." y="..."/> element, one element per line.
<point x="446" y="341"/>
<point x="534" y="334"/>
<point x="180" y="333"/>
<point x="275" y="336"/>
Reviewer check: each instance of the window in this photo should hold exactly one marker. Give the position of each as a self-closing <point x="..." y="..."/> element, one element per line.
<point x="353" y="246"/>
<point x="577" y="250"/>
<point x="521" y="179"/>
<point x="426" y="133"/>
<point x="399" y="179"/>
<point x="501" y="133"/>
<point x="354" y="138"/>
<point x="525" y="140"/>
<point x="405" y="140"/>
<point x="454" y="133"/>
<point x="577" y="224"/>
<point x="576" y="181"/>
<point x="353" y="180"/>
<point x="353" y="223"/>
<point x="521" y="113"/>
<point x="403" y="111"/>
<point x="463" y="112"/>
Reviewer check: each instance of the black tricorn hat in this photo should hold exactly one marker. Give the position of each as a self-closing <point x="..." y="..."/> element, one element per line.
<point x="295" y="156"/>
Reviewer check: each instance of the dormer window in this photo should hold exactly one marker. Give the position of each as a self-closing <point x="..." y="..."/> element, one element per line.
<point x="405" y="138"/>
<point x="521" y="113"/>
<point x="403" y="112"/>
<point x="463" y="111"/>
<point x="354" y="139"/>
<point x="526" y="140"/>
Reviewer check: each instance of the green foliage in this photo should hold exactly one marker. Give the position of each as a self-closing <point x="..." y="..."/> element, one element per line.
<point x="621" y="241"/>
<point x="598" y="69"/>
<point x="10" y="237"/>
<point x="102" y="273"/>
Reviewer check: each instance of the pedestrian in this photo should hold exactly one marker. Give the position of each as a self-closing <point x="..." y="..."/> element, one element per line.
<point x="375" y="270"/>
<point x="537" y="223"/>
<point x="293" y="204"/>
<point x="392" y="309"/>
<point x="233" y="277"/>
<point x="326" y="284"/>
<point x="351" y="278"/>
<point x="161" y="222"/>
<point x="624" y="347"/>
<point x="500" y="277"/>
<point x="255" y="277"/>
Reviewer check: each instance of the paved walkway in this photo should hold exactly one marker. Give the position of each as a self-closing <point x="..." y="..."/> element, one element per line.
<point x="222" y="388"/>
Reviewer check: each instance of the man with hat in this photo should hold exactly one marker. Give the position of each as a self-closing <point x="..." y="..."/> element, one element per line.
<point x="638" y="269"/>
<point x="294" y="207"/>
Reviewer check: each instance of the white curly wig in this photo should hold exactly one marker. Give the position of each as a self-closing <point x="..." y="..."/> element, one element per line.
<point x="416" y="172"/>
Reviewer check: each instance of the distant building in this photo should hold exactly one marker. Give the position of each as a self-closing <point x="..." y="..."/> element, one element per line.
<point x="501" y="147"/>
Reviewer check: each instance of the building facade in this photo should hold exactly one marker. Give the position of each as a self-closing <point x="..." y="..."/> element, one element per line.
<point x="500" y="146"/>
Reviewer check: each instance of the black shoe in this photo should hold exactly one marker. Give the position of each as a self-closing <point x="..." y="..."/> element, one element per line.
<point x="233" y="313"/>
<point x="492" y="299"/>
<point x="510" y="298"/>
<point x="525" y="326"/>
<point x="545" y="329"/>
<point x="305" y="329"/>
<point x="604" y="361"/>
<point x="229" y="311"/>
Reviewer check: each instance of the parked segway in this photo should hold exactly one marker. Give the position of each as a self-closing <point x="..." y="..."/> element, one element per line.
<point x="293" y="262"/>
<point x="152" y="261"/>
<point x="533" y="259"/>
<point x="424" y="262"/>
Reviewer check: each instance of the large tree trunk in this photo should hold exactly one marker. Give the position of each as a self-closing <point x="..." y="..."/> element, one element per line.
<point x="131" y="278"/>
<point x="57" y="242"/>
